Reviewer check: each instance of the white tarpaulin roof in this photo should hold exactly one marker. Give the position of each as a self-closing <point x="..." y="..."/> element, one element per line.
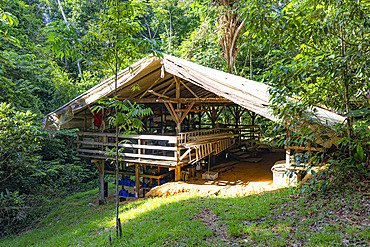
<point x="249" y="94"/>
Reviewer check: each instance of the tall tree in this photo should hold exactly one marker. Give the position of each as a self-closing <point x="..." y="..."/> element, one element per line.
<point x="112" y="43"/>
<point x="231" y="28"/>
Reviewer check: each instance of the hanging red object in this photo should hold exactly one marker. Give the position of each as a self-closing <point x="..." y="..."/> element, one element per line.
<point x="98" y="117"/>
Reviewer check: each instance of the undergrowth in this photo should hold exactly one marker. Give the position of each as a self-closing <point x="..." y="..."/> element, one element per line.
<point x="281" y="218"/>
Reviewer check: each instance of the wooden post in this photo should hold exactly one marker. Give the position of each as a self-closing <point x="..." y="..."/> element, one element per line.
<point x="178" y="104"/>
<point x="101" y="183"/>
<point x="177" y="173"/>
<point x="162" y="127"/>
<point x="137" y="180"/>
<point x="200" y="118"/>
<point x="139" y="150"/>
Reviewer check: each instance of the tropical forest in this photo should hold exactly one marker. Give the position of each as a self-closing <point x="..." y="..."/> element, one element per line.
<point x="184" y="123"/>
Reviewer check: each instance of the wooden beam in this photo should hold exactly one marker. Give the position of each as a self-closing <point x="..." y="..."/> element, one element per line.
<point x="128" y="145"/>
<point x="130" y="155"/>
<point x="178" y="95"/>
<point x="137" y="180"/>
<point x="177" y="173"/>
<point x="158" y="163"/>
<point x="122" y="173"/>
<point x="174" y="116"/>
<point x="192" y="110"/>
<point x="168" y="88"/>
<point x="171" y="139"/>
<point x="219" y="113"/>
<point x="96" y="162"/>
<point x="158" y="94"/>
<point x="185" y="154"/>
<point x="177" y="87"/>
<point x="174" y="113"/>
<point x="188" y="88"/>
<point x="187" y="111"/>
<point x="150" y="87"/>
<point x="181" y="100"/>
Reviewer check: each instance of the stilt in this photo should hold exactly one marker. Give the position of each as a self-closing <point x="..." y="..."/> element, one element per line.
<point x="101" y="182"/>
<point x="137" y="180"/>
<point x="177" y="173"/>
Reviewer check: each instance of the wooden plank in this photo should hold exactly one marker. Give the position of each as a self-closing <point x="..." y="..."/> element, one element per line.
<point x="171" y="139"/>
<point x="158" y="163"/>
<point x="184" y="155"/>
<point x="129" y="145"/>
<point x="145" y="156"/>
<point x="182" y="100"/>
<point x="122" y="173"/>
<point x="155" y="176"/>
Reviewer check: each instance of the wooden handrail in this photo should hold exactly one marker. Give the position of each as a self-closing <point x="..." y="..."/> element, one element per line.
<point x="171" y="139"/>
<point x="128" y="145"/>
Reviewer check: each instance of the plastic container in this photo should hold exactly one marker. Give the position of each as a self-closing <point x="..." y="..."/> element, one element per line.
<point x="283" y="176"/>
<point x="120" y="193"/>
<point x="210" y="175"/>
<point x="278" y="171"/>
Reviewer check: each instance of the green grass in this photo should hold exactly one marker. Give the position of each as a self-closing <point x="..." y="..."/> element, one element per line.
<point x="280" y="218"/>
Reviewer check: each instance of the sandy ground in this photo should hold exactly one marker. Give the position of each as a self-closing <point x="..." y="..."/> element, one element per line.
<point x="243" y="179"/>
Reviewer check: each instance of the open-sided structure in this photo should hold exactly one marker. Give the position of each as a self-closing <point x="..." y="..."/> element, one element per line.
<point x="180" y="93"/>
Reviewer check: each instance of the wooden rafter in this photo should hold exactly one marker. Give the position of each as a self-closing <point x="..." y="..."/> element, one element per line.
<point x="158" y="94"/>
<point x="150" y="87"/>
<point x="181" y="100"/>
<point x="188" y="108"/>
<point x="188" y="88"/>
<point x="172" y="111"/>
<point x="219" y="113"/>
<point x="168" y="88"/>
<point x="96" y="162"/>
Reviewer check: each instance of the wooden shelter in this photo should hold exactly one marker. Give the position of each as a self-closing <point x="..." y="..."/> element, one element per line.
<point x="180" y="93"/>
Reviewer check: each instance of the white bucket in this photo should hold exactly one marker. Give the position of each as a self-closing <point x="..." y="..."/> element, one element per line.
<point x="281" y="176"/>
<point x="278" y="171"/>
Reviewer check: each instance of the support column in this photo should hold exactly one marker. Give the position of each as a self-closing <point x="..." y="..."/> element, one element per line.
<point x="137" y="180"/>
<point x="177" y="173"/>
<point x="200" y="113"/>
<point x="178" y="127"/>
<point x="101" y="182"/>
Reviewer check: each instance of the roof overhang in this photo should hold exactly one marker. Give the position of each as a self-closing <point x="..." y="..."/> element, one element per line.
<point x="155" y="71"/>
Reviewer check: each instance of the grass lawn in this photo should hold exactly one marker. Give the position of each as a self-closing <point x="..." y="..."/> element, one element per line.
<point x="282" y="218"/>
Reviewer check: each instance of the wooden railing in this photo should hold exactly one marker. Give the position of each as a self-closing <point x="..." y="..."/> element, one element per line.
<point x="202" y="143"/>
<point x="137" y="147"/>
<point x="188" y="147"/>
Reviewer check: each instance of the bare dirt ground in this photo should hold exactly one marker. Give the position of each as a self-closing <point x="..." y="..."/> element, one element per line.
<point x="244" y="178"/>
